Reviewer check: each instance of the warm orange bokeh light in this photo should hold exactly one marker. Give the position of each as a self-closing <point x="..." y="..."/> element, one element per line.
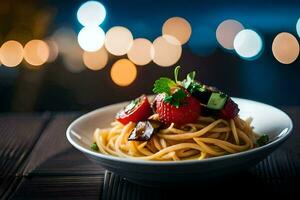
<point x="140" y="51"/>
<point x="123" y="72"/>
<point x="95" y="60"/>
<point x="285" y="48"/>
<point x="227" y="31"/>
<point x="118" y="40"/>
<point x="11" y="53"/>
<point x="167" y="50"/>
<point x="36" y="52"/>
<point x="179" y="28"/>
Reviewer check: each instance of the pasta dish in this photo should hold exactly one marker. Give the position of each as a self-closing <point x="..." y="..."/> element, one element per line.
<point x="186" y="120"/>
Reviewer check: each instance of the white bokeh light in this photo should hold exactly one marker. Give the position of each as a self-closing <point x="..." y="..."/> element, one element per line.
<point x="167" y="51"/>
<point x="140" y="52"/>
<point x="247" y="44"/>
<point x="118" y="40"/>
<point x="298" y="27"/>
<point x="91" y="38"/>
<point x="91" y="13"/>
<point x="227" y="31"/>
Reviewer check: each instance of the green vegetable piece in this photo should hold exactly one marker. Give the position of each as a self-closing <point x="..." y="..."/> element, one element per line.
<point x="132" y="104"/>
<point x="174" y="94"/>
<point x="176" y="71"/>
<point x="163" y="85"/>
<point x="195" y="86"/>
<point x="216" y="101"/>
<point x="94" y="146"/>
<point x="262" y="140"/>
<point x="190" y="80"/>
<point x="176" y="98"/>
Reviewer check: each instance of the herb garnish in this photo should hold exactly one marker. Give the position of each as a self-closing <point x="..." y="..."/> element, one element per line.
<point x="132" y="104"/>
<point x="94" y="146"/>
<point x="262" y="140"/>
<point x="174" y="93"/>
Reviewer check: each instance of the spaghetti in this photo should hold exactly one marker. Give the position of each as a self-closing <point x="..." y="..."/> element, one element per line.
<point x="207" y="137"/>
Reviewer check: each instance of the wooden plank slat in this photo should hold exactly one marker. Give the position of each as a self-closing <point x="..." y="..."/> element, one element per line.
<point x="60" y="187"/>
<point x="18" y="136"/>
<point x="54" y="155"/>
<point x="247" y="182"/>
<point x="62" y="173"/>
<point x="115" y="187"/>
<point x="278" y="173"/>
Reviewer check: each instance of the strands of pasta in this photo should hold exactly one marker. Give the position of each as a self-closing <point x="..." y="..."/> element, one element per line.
<point x="205" y="138"/>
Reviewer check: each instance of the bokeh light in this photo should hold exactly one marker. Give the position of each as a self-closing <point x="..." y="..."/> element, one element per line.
<point x="66" y="39"/>
<point x="118" y="40"/>
<point x="248" y="44"/>
<point x="68" y="46"/>
<point x="11" y="53"/>
<point x="91" y="38"/>
<point x="36" y="52"/>
<point x="298" y="27"/>
<point x="123" y="72"/>
<point x="95" y="60"/>
<point x="167" y="51"/>
<point x="53" y="50"/>
<point x="141" y="51"/>
<point x="285" y="48"/>
<point x="203" y="40"/>
<point x="227" y="31"/>
<point x="91" y="13"/>
<point x="179" y="28"/>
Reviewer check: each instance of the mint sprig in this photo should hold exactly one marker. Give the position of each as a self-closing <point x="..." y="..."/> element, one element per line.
<point x="164" y="85"/>
<point x="174" y="94"/>
<point x="262" y="140"/>
<point x="176" y="98"/>
<point x="191" y="85"/>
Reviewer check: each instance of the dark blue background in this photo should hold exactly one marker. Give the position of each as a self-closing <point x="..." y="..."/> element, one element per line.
<point x="263" y="79"/>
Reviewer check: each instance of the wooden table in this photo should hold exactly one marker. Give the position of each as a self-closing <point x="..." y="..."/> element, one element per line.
<point x="37" y="162"/>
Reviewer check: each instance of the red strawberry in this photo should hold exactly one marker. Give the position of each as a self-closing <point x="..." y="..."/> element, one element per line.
<point x="230" y="110"/>
<point x="187" y="112"/>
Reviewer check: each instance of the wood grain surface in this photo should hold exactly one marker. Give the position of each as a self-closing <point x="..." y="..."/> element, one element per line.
<point x="37" y="162"/>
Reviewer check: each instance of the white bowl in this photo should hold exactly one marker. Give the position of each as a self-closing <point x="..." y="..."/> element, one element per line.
<point x="266" y="120"/>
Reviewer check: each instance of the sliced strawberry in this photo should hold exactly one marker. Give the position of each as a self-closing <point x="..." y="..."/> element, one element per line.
<point x="187" y="112"/>
<point x="230" y="110"/>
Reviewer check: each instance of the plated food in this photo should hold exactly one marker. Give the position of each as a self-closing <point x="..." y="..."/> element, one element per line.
<point x="186" y="120"/>
<point x="156" y="171"/>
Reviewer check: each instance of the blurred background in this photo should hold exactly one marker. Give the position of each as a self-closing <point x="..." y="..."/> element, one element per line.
<point x="80" y="55"/>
